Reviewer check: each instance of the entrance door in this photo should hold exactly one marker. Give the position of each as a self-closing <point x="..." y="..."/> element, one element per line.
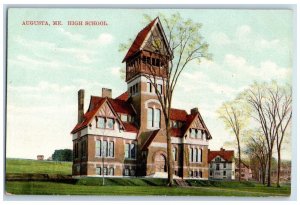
<point x="160" y="163"/>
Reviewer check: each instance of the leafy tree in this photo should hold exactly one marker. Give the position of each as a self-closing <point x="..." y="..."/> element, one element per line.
<point x="186" y="44"/>
<point x="62" y="155"/>
<point x="235" y="118"/>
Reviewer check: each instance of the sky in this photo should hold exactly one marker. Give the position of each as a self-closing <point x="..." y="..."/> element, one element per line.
<point x="47" y="65"/>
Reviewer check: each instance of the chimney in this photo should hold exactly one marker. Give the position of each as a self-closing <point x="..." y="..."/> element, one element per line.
<point x="80" y="105"/>
<point x="106" y="92"/>
<point x="222" y="150"/>
<point x="194" y="111"/>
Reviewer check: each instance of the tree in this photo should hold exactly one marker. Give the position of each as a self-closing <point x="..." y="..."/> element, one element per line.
<point x="284" y="115"/>
<point x="185" y="44"/>
<point x="257" y="149"/>
<point x="235" y="118"/>
<point x="62" y="155"/>
<point x="271" y="107"/>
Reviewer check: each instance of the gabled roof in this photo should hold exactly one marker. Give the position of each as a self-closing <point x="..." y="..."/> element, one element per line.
<point x="149" y="139"/>
<point x="117" y="105"/>
<point x="177" y="114"/>
<point x="190" y="119"/>
<point x="124" y="96"/>
<point x="142" y="36"/>
<point x="227" y="155"/>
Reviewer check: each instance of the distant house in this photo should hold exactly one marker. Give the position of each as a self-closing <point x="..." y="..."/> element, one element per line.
<point x="40" y="157"/>
<point x="221" y="164"/>
<point x="246" y="172"/>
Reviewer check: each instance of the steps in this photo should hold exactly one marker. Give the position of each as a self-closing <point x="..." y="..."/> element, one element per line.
<point x="181" y="182"/>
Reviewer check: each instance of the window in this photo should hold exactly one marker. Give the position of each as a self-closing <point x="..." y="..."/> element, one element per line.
<point x="211" y="165"/>
<point x="196" y="157"/>
<point x="98" y="170"/>
<point x="174" y="153"/>
<point x="111" y="149"/>
<point x="150" y="115"/>
<point x="132" y="151"/>
<point x="126" y="172"/>
<point x="191" y="154"/>
<point x="111" y="171"/>
<point x="218" y="167"/>
<point x="105" y="170"/>
<point x="175" y="124"/>
<point x="224" y="165"/>
<point x="124" y="118"/>
<point x="191" y="173"/>
<point x="200" y="174"/>
<point x="149" y="87"/>
<point x="132" y="172"/>
<point x="127" y="150"/>
<point x="193" y="133"/>
<point x="224" y="173"/>
<point x="200" y="156"/>
<point x="101" y="122"/>
<point x="199" y="134"/>
<point x="104" y="148"/>
<point x="218" y="159"/>
<point x="196" y="174"/>
<point x="211" y="173"/>
<point x="157" y="118"/>
<point x="98" y="148"/>
<point x="159" y="88"/>
<point x="110" y="123"/>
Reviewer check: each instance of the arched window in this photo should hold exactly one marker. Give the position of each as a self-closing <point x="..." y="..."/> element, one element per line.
<point x="150" y="116"/>
<point x="175" y="153"/>
<point x="157" y="118"/>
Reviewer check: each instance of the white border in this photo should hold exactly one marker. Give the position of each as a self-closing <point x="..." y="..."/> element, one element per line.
<point x="162" y="4"/>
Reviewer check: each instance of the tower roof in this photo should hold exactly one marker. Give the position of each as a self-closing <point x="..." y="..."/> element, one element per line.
<point x="142" y="36"/>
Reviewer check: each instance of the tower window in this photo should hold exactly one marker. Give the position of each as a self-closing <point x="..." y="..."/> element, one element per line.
<point x="149" y="87"/>
<point x="159" y="88"/>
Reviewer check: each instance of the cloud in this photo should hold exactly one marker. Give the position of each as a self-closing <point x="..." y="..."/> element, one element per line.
<point x="221" y="38"/>
<point x="101" y="40"/>
<point x="243" y="31"/>
<point x="115" y="71"/>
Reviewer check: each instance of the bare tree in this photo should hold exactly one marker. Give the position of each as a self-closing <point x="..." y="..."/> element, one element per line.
<point x="284" y="115"/>
<point x="185" y="44"/>
<point x="272" y="114"/>
<point x="235" y="118"/>
<point x="256" y="147"/>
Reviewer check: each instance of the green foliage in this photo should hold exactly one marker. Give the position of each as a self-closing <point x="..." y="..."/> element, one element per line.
<point x="62" y="155"/>
<point x="38" y="167"/>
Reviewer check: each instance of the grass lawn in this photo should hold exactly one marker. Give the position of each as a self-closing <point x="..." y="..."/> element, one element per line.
<point x="51" y="188"/>
<point x="35" y="172"/>
<point x="38" y="167"/>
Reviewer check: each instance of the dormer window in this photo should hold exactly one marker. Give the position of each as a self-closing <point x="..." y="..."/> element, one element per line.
<point x="101" y="122"/>
<point x="110" y="123"/>
<point x="124" y="117"/>
<point x="104" y="123"/>
<point x="193" y="133"/>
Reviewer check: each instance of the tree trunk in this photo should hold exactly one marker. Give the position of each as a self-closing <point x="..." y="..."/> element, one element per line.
<point x="264" y="175"/>
<point x="269" y="168"/>
<point x="169" y="156"/>
<point x="278" y="168"/>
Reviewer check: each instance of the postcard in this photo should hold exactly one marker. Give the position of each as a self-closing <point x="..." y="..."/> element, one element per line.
<point x="139" y="102"/>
